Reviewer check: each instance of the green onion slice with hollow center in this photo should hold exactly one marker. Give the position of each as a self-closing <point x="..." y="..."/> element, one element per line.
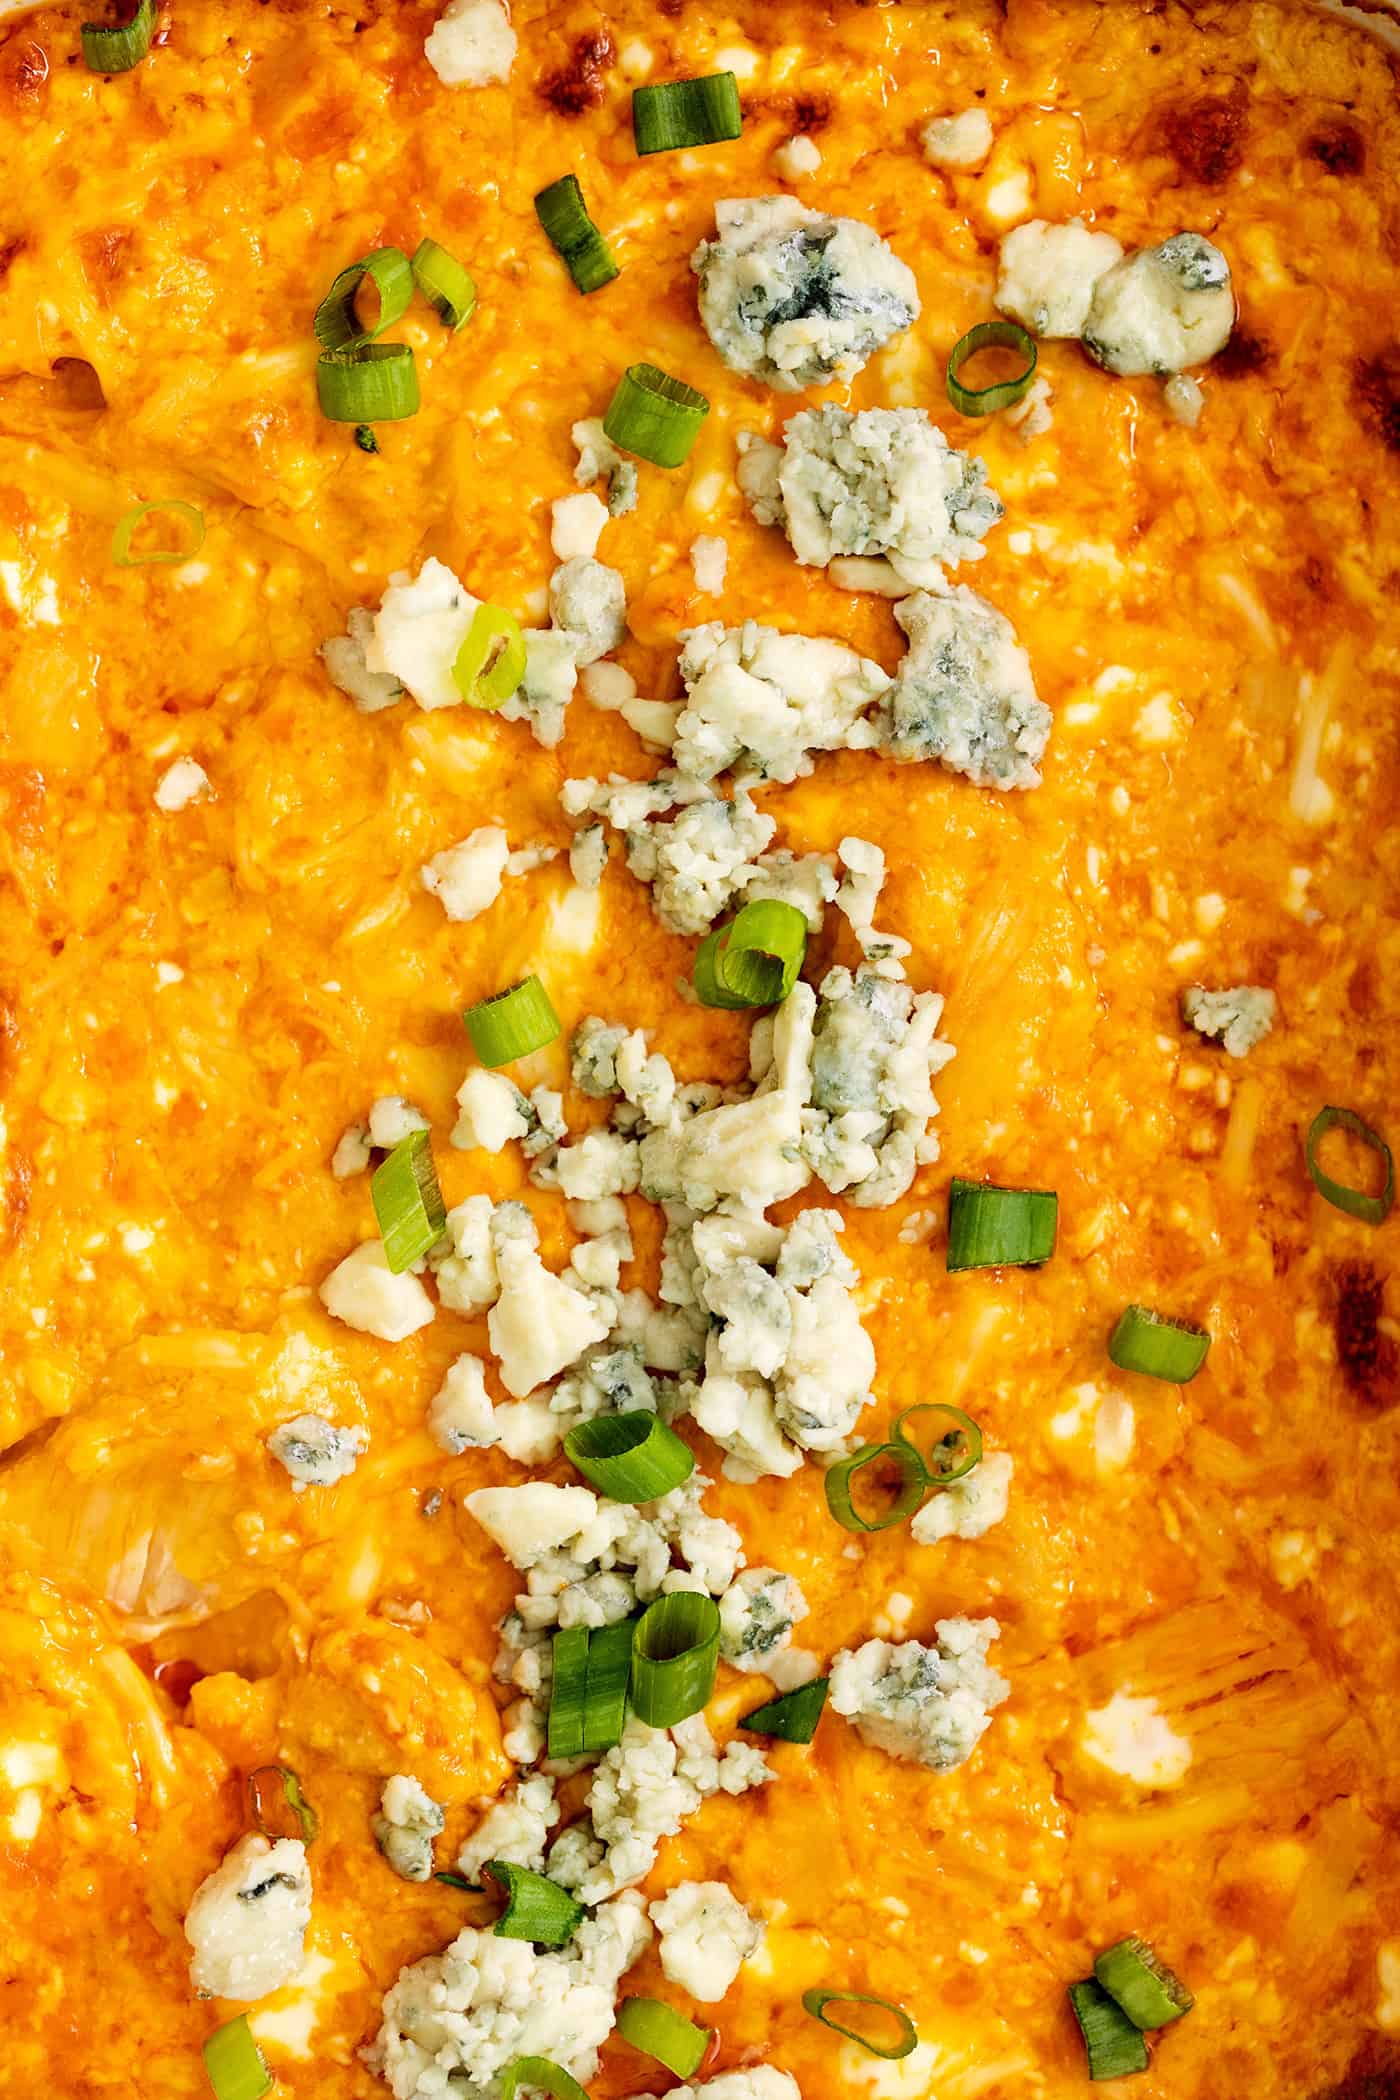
<point x="1115" y="2048"/>
<point x="676" y="114"/>
<point x="755" y="960"/>
<point x="337" y="324"/>
<point x="536" y="1909"/>
<point x="996" y="1228"/>
<point x="903" y="1497"/>
<point x="794" y="1717"/>
<point x="564" y="217"/>
<point x="188" y="515"/>
<point x="1002" y="393"/>
<point x="568" y="1691"/>
<point x="117" y="47"/>
<point x="605" y="1694"/>
<point x="448" y="288"/>
<point x="277" y="1803"/>
<point x="655" y="416"/>
<point x="954" y="1440"/>
<point x="659" y="2031"/>
<point x="373" y="383"/>
<point x="491" y="661"/>
<point x="675" y="1651"/>
<point x="632" y="1457"/>
<point x="1149" y="1342"/>
<point x="1372" y="1210"/>
<point x="408" y="1205"/>
<point x="904" y="2040"/>
<point x="234" y="2062"/>
<point x="512" y="1023"/>
<point x="1150" y="1993"/>
<point x="544" y="2075"/>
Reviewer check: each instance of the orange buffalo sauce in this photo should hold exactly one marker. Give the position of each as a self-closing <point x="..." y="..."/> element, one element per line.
<point x="194" y="1004"/>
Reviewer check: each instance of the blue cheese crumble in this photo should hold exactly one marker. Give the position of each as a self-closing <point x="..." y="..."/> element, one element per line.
<point x="964" y="693"/>
<point x="928" y="1706"/>
<point x="1237" y="1018"/>
<point x="315" y="1452"/>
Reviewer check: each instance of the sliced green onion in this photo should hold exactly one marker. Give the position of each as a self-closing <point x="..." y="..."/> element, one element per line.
<point x="681" y="113"/>
<point x="1373" y="1210"/>
<point x="994" y="1228"/>
<point x="755" y="960"/>
<point x="536" y="1909"/>
<point x="1150" y="1993"/>
<point x="816" y="2002"/>
<point x="366" y="439"/>
<point x="1003" y="393"/>
<point x="794" y="1717"/>
<point x="116" y="49"/>
<point x="491" y="661"/>
<point x="609" y="1674"/>
<point x="408" y="1205"/>
<point x="374" y="383"/>
<point x="459" y="1881"/>
<point x="655" y="416"/>
<point x="235" y="2063"/>
<point x="1115" y="2047"/>
<point x="632" y="1457"/>
<point x="446" y="286"/>
<point x="909" y="1493"/>
<point x="187" y="513"/>
<point x="675" y="1650"/>
<point x="1149" y="1342"/>
<point x="564" y="217"/>
<point x="264" y="1787"/>
<point x="338" y="326"/>
<point x="659" y="2031"/>
<point x="955" y="1445"/>
<point x="546" y="2076"/>
<point x="512" y="1023"/>
<point x="568" y="1690"/>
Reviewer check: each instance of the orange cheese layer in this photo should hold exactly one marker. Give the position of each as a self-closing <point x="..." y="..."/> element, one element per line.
<point x="195" y="1004"/>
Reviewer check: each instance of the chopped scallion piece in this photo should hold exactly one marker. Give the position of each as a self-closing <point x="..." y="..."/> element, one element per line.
<point x="609" y="1674"/>
<point x="1146" y="1989"/>
<point x="1372" y="1210"/>
<point x="904" y="1496"/>
<point x="276" y="1801"/>
<point x="512" y="1023"/>
<point x="366" y="439"/>
<point x="794" y="1717"/>
<point x="459" y="1881"/>
<point x="1149" y="1342"/>
<point x="116" y="48"/>
<point x="755" y="960"/>
<point x="188" y="516"/>
<point x="1115" y="2048"/>
<point x="567" y="1691"/>
<point x="234" y="2062"/>
<point x="954" y="1440"/>
<point x="675" y="1650"/>
<point x="544" y="2075"/>
<point x="374" y="383"/>
<point x="536" y="1909"/>
<point x="491" y="661"/>
<point x="407" y="1201"/>
<point x="1003" y="393"/>
<point x="655" y="416"/>
<point x="905" y="2039"/>
<point x="338" y="326"/>
<point x="995" y="1228"/>
<point x="659" y="2031"/>
<point x="677" y="114"/>
<point x="446" y="286"/>
<point x="632" y="1457"/>
<point x="564" y="217"/>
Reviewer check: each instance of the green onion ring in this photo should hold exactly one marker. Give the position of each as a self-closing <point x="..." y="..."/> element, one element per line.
<point x="235" y="2063"/>
<point x="1003" y="393"/>
<point x="678" y="114"/>
<point x="540" y="2071"/>
<point x="655" y="416"/>
<point x="815" y="2002"/>
<point x="755" y="959"/>
<point x="953" y="1454"/>
<point x="841" y="1479"/>
<point x="794" y="1717"/>
<point x="491" y="661"/>
<point x="573" y="235"/>
<point x="605" y="1694"/>
<point x="260" y="1785"/>
<point x="109" y="48"/>
<point x="1372" y="1210"/>
<point x="630" y="1457"/>
<point x="996" y="1228"/>
<point x="536" y="1908"/>
<point x="1114" y="2047"/>
<point x="659" y="2031"/>
<point x="189" y="515"/>
<point x="1158" y="1347"/>
<point x="408" y="1205"/>
<point x="568" y="1691"/>
<point x="1139" y="1981"/>
<point x="447" y="287"/>
<point x="373" y="383"/>
<point x="512" y="1023"/>
<point x="336" y="323"/>
<point x="675" y="1652"/>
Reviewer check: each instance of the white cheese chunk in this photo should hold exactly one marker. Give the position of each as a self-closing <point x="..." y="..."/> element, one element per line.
<point x="364" y="1292"/>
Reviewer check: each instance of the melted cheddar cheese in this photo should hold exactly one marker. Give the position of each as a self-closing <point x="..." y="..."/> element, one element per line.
<point x="1196" y="1586"/>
